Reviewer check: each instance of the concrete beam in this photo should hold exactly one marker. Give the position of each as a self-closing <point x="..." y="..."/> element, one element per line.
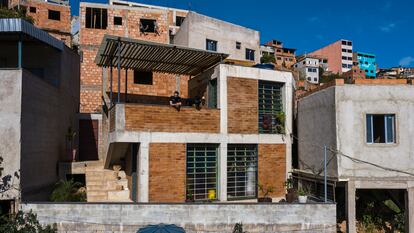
<point x="223" y="172"/>
<point x="350" y="207"/>
<point x="143" y="172"/>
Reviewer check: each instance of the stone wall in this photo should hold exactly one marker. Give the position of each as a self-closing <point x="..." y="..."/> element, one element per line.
<point x="201" y="218"/>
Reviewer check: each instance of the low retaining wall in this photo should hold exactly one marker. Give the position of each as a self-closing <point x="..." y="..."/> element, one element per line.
<point x="200" y="218"/>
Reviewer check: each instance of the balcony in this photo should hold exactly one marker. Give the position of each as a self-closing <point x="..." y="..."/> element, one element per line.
<point x="163" y="118"/>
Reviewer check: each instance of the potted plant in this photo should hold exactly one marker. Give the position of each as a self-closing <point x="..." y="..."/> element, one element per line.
<point x="265" y="192"/>
<point x="291" y="194"/>
<point x="303" y="194"/>
<point x="190" y="196"/>
<point x="70" y="144"/>
<point x="280" y="122"/>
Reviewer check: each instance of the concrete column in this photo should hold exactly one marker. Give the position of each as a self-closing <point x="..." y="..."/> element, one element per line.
<point x="350" y="206"/>
<point x="410" y="209"/>
<point x="143" y="172"/>
<point x="223" y="172"/>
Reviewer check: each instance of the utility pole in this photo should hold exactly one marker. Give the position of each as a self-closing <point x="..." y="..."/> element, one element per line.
<point x="325" y="184"/>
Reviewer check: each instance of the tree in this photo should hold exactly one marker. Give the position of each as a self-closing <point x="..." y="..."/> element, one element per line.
<point x="24" y="223"/>
<point x="267" y="58"/>
<point x="68" y="191"/>
<point x="15" y="13"/>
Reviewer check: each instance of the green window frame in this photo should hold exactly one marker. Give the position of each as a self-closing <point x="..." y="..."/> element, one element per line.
<point x="270" y="106"/>
<point x="242" y="171"/>
<point x="202" y="172"/>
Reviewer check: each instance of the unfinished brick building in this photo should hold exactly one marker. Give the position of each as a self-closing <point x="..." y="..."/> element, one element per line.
<point x="53" y="17"/>
<point x="141" y="147"/>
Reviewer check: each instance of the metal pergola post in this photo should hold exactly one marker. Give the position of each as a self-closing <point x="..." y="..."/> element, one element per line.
<point x="119" y="71"/>
<point x="110" y="85"/>
<point x="19" y="51"/>
<point x="126" y="85"/>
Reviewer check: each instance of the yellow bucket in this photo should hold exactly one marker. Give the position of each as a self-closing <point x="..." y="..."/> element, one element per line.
<point x="212" y="194"/>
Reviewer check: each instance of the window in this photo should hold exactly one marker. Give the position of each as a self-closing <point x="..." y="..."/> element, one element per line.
<point x="349" y="43"/>
<point x="270" y="105"/>
<point x="344" y="42"/>
<point x="250" y="54"/>
<point x="179" y="20"/>
<point x="309" y="79"/>
<point x="238" y="45"/>
<point x="343" y="58"/>
<point x="117" y="20"/>
<point x="32" y="9"/>
<point x="53" y="15"/>
<point x="96" y="18"/>
<point x="315" y="79"/>
<point x="349" y="58"/>
<point x="241" y="171"/>
<point x="211" y="45"/>
<point x="344" y="66"/>
<point x="142" y="77"/>
<point x="344" y="50"/>
<point x="313" y="70"/>
<point x="201" y="171"/>
<point x="148" y="25"/>
<point x="349" y="66"/>
<point x="380" y="128"/>
<point x="349" y="51"/>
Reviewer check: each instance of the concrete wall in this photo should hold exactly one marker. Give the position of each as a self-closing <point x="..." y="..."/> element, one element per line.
<point x="202" y="218"/>
<point x="47" y="113"/>
<point x="317" y="128"/>
<point x="10" y="102"/>
<point x="353" y="103"/>
<point x="197" y="28"/>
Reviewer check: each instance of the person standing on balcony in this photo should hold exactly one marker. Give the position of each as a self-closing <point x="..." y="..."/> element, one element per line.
<point x="175" y="101"/>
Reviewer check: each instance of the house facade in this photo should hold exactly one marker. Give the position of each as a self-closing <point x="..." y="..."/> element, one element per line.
<point x="339" y="55"/>
<point x="203" y="32"/>
<point x="368" y="63"/>
<point x="51" y="16"/>
<point x="40" y="99"/>
<point x="366" y="129"/>
<point x="284" y="57"/>
<point x="308" y="68"/>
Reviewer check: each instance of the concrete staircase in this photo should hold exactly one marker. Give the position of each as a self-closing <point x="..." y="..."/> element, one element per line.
<point x="105" y="185"/>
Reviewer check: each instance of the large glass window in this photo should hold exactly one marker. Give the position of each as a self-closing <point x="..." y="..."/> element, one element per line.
<point x="380" y="128"/>
<point x="202" y="171"/>
<point x="271" y="115"/>
<point x="241" y="171"/>
<point x="250" y="54"/>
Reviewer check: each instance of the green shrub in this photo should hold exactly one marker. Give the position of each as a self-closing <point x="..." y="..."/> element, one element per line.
<point x="14" y="13"/>
<point x="23" y="223"/>
<point x="68" y="191"/>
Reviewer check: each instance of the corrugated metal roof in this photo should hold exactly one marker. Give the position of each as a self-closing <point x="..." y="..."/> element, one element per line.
<point x="151" y="56"/>
<point x="21" y="26"/>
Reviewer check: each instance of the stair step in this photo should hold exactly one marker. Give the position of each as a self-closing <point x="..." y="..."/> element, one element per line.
<point x="122" y="195"/>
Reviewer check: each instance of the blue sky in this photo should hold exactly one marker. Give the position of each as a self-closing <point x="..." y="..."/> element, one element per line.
<point x="382" y="27"/>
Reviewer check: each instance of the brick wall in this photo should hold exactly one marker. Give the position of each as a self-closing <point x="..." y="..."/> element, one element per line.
<point x="242" y="105"/>
<point x="272" y="167"/>
<point x="90" y="39"/>
<point x="60" y="29"/>
<point x="167" y="172"/>
<point x="167" y="119"/>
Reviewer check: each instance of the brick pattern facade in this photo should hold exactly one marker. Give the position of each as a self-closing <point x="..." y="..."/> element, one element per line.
<point x="167" y="119"/>
<point x="90" y="39"/>
<point x="272" y="168"/>
<point x="60" y="29"/>
<point x="242" y="105"/>
<point x="167" y="172"/>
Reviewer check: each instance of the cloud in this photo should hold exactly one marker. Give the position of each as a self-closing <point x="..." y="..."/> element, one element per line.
<point x="313" y="19"/>
<point x="406" y="61"/>
<point x="387" y="27"/>
<point x="387" y="6"/>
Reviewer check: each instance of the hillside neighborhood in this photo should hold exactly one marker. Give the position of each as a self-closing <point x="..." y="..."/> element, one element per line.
<point x="133" y="117"/>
